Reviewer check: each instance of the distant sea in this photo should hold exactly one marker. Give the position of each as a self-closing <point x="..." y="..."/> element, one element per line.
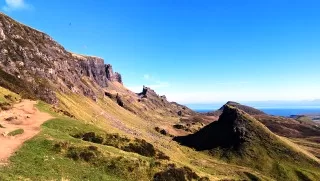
<point x="282" y="111"/>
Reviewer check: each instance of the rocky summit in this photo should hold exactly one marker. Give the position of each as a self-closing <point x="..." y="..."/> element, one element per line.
<point x="247" y="109"/>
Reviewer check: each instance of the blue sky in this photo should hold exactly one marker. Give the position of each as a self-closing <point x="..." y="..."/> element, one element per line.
<point x="192" y="51"/>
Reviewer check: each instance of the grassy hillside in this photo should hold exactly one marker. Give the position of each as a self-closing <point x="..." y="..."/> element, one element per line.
<point x="57" y="153"/>
<point x="54" y="153"/>
<point x="240" y="139"/>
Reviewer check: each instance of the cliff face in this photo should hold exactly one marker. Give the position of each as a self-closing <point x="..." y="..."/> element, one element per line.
<point x="35" y="66"/>
<point x="112" y="76"/>
<point x="36" y="60"/>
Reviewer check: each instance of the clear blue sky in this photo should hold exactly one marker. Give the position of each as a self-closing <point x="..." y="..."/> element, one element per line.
<point x="192" y="51"/>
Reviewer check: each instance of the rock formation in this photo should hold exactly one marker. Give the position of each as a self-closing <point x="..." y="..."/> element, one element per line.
<point x="112" y="76"/>
<point x="153" y="101"/>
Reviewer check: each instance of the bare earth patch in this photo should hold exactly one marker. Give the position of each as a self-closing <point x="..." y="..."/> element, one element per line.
<point x="24" y="116"/>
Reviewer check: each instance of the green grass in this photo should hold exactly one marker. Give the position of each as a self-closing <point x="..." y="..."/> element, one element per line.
<point x="16" y="132"/>
<point x="54" y="154"/>
<point x="39" y="160"/>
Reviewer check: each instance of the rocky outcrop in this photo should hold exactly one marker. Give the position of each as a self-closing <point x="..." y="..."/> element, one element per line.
<point x="112" y="76"/>
<point x="94" y="68"/>
<point x="153" y="101"/>
<point x="34" y="58"/>
<point x="230" y="131"/>
<point x="147" y="92"/>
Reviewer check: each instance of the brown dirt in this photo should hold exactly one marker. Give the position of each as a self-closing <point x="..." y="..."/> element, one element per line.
<point x="24" y="116"/>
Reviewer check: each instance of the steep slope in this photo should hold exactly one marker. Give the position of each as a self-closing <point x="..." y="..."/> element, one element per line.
<point x="239" y="138"/>
<point x="33" y="64"/>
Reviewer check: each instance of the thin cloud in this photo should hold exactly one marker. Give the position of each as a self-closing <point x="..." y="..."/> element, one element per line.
<point x="13" y="5"/>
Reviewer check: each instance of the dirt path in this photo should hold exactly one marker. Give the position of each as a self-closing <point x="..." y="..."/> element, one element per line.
<point x="24" y="116"/>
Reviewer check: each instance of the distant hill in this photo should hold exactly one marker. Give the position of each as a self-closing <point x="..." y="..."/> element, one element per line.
<point x="239" y="138"/>
<point x="288" y="127"/>
<point x="247" y="109"/>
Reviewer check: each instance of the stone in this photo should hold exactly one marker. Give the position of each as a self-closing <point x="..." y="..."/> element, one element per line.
<point x="2" y="35"/>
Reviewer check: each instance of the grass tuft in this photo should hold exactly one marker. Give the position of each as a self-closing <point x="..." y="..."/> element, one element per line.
<point x="16" y="132"/>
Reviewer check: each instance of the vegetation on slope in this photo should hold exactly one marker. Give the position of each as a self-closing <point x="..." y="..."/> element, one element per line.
<point x="50" y="155"/>
<point x="54" y="152"/>
<point x="7" y="98"/>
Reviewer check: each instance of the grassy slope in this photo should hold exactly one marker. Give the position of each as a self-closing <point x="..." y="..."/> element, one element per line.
<point x="37" y="160"/>
<point x="312" y="147"/>
<point x="106" y="115"/>
<point x="4" y="96"/>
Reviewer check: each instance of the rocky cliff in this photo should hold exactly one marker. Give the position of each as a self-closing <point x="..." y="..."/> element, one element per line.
<point x="41" y="65"/>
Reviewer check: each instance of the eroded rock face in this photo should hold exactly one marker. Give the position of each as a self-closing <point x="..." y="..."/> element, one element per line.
<point x="112" y="76"/>
<point x="148" y="92"/>
<point x="33" y="57"/>
<point x="93" y="67"/>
